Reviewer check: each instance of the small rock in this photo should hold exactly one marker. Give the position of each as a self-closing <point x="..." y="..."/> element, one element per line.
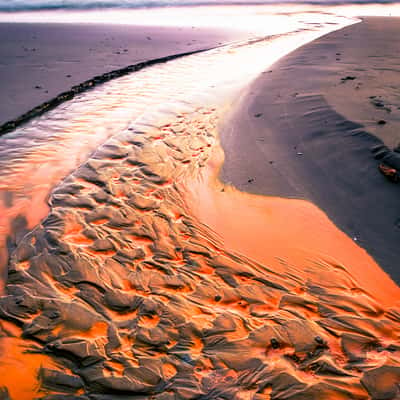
<point x="4" y="394"/>
<point x="258" y="115"/>
<point x="390" y="173"/>
<point x="392" y="348"/>
<point x="319" y="340"/>
<point x="348" y="78"/>
<point x="54" y="314"/>
<point x="250" y="180"/>
<point x="274" y="343"/>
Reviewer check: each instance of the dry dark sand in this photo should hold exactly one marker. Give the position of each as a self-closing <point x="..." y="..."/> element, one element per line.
<point x="39" y="61"/>
<point x="290" y="135"/>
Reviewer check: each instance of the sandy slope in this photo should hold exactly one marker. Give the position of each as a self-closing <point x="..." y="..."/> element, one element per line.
<point x="309" y="122"/>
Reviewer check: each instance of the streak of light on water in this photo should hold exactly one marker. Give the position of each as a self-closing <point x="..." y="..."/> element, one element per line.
<point x="35" y="157"/>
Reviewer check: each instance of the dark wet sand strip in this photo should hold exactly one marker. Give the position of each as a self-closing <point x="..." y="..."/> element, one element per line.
<point x="286" y="138"/>
<point x="39" y="61"/>
<point x="90" y="84"/>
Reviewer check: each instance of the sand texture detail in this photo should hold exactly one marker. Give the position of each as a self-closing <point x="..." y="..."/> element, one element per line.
<point x="134" y="298"/>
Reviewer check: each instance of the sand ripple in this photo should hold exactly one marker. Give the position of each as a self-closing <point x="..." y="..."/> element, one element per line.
<point x="125" y="293"/>
<point x="135" y="297"/>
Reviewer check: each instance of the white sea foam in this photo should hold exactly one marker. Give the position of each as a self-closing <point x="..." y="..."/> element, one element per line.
<point x="87" y="4"/>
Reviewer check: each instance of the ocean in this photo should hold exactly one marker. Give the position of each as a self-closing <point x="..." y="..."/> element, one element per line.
<point x="31" y="5"/>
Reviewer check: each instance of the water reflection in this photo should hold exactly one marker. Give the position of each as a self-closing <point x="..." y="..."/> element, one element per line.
<point x="35" y="157"/>
<point x="121" y="262"/>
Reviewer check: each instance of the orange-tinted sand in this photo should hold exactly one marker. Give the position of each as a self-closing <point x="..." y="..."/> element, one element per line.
<point x="20" y="366"/>
<point x="151" y="300"/>
<point x="31" y="210"/>
<point x="149" y="278"/>
<point x="281" y="232"/>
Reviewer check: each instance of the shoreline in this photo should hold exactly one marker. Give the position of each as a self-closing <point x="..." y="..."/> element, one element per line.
<point x="83" y="87"/>
<point x="311" y="242"/>
<point x="41" y="61"/>
<point x="303" y="148"/>
<point x="130" y="293"/>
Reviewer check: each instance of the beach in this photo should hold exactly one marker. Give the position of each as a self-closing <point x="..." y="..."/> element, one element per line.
<point x="314" y="139"/>
<point x="210" y="226"/>
<point x="41" y="60"/>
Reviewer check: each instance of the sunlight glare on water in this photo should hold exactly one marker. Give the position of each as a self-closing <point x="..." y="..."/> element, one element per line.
<point x="35" y="157"/>
<point x="140" y="235"/>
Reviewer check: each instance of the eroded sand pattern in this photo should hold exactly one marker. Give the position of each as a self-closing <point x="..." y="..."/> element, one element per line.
<point x="35" y="157"/>
<point x="135" y="296"/>
<point x="126" y="292"/>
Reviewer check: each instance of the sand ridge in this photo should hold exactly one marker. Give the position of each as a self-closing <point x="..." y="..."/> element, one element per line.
<point x="130" y="293"/>
<point x="133" y="295"/>
<point x="42" y="60"/>
<point x="32" y="163"/>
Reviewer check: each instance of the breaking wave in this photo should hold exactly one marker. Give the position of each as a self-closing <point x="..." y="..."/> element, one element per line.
<point x="31" y="5"/>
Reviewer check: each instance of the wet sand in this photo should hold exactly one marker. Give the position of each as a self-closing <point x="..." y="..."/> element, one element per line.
<point x="311" y="121"/>
<point x="149" y="278"/>
<point x="30" y="158"/>
<point x="129" y="288"/>
<point x="40" y="61"/>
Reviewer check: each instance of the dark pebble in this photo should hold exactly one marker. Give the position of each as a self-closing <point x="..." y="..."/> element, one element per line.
<point x="54" y="314"/>
<point x="319" y="340"/>
<point x="274" y="343"/>
<point x="348" y="78"/>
